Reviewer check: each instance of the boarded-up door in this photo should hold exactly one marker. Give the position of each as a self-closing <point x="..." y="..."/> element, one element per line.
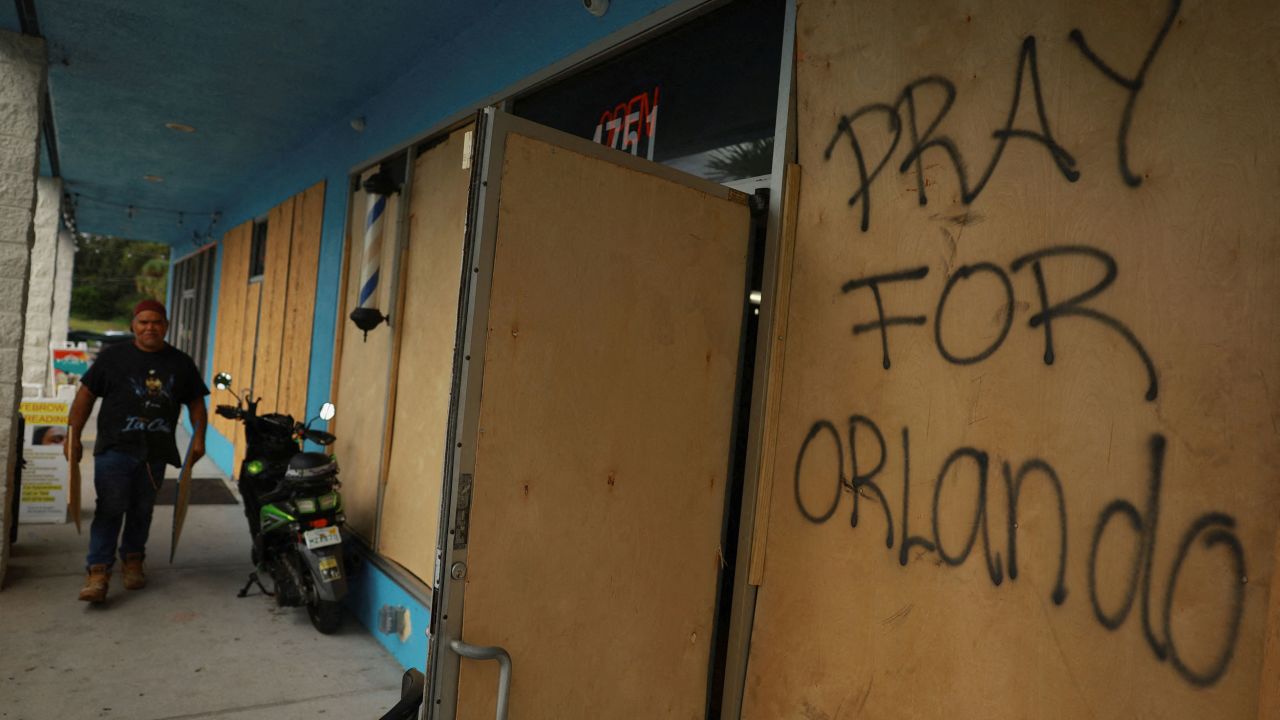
<point x="595" y="432"/>
<point x="1027" y="451"/>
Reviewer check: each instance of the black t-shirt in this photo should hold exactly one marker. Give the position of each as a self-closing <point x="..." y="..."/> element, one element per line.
<point x="142" y="394"/>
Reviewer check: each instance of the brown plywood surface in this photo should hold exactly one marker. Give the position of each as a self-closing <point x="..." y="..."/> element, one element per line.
<point x="299" y="311"/>
<point x="231" y="292"/>
<point x="275" y="290"/>
<point x="604" y="439"/>
<point x="1165" y="473"/>
<point x="246" y="361"/>
<point x="275" y="287"/>
<point x="362" y="380"/>
<point x="773" y="387"/>
<point x="437" y="222"/>
<point x="1269" y="695"/>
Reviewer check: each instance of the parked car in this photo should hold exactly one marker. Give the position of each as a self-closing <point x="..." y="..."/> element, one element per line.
<point x="110" y="337"/>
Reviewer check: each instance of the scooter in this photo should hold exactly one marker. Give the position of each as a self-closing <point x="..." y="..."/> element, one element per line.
<point x="293" y="508"/>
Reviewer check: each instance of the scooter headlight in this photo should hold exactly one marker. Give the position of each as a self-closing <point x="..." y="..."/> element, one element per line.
<point x="329" y="501"/>
<point x="305" y="505"/>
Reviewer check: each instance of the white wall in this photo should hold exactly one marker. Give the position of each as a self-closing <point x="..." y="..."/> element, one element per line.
<point x="22" y="77"/>
<point x="40" y="283"/>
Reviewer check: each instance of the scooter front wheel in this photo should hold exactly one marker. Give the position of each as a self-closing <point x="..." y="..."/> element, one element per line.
<point x="326" y="615"/>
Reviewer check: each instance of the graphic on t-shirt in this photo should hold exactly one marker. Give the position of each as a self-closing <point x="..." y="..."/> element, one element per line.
<point x="153" y="392"/>
<point x="154" y="395"/>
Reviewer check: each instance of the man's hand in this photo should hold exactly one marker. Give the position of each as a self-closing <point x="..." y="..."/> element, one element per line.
<point x="78" y="415"/>
<point x="199" y="419"/>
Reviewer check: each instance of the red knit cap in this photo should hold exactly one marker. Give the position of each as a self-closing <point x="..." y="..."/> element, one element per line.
<point x="149" y="304"/>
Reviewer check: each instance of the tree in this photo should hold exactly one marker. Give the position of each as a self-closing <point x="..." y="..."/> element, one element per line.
<point x="152" y="279"/>
<point x="112" y="274"/>
<point x="744" y="160"/>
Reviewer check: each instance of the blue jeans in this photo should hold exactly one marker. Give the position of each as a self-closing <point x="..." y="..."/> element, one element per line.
<point x="126" y="496"/>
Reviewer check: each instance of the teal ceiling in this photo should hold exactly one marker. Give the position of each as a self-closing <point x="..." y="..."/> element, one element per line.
<point x="255" y="79"/>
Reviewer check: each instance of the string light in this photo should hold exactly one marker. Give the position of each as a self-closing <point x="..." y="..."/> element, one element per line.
<point x="72" y="200"/>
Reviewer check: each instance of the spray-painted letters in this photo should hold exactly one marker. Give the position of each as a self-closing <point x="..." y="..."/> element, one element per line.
<point x="903" y="115"/>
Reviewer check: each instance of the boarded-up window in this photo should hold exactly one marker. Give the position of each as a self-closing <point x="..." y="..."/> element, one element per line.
<point x="425" y="354"/>
<point x="1026" y="456"/>
<point x="263" y="335"/>
<point x="361" y="371"/>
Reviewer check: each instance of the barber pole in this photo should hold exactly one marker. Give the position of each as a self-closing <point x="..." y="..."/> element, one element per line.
<point x="376" y="206"/>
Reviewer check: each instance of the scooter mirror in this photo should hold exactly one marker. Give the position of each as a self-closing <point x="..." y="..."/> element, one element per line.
<point x="327" y="411"/>
<point x="222" y="381"/>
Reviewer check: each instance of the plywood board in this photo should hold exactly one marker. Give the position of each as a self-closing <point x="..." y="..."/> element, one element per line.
<point x="362" y="381"/>
<point x="1133" y="221"/>
<point x="1269" y="695"/>
<point x="231" y="291"/>
<point x="300" y="303"/>
<point x="605" y="417"/>
<point x="275" y="289"/>
<point x="245" y="365"/>
<point x="773" y="382"/>
<point x="415" y="477"/>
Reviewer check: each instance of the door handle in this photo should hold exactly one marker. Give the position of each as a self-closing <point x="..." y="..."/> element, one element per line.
<point x="489" y="652"/>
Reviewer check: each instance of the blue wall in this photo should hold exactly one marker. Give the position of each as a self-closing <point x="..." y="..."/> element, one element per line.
<point x="450" y="78"/>
<point x="456" y="76"/>
<point x="371" y="589"/>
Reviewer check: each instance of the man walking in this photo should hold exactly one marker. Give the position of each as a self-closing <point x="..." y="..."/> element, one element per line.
<point x="143" y="386"/>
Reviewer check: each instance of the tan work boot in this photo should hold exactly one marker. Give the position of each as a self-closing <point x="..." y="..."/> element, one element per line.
<point x="134" y="577"/>
<point x="95" y="584"/>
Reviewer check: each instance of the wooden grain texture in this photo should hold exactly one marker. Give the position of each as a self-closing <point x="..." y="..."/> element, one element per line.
<point x="362" y="384"/>
<point x="1269" y="692"/>
<point x="604" y="439"/>
<point x="250" y="320"/>
<point x="300" y="302"/>
<point x="773" y="390"/>
<point x="342" y="320"/>
<point x="415" y="476"/>
<point x="847" y="627"/>
<point x="275" y="291"/>
<point x="231" y="291"/>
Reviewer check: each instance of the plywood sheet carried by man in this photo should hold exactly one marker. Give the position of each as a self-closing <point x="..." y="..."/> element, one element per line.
<point x="1026" y="459"/>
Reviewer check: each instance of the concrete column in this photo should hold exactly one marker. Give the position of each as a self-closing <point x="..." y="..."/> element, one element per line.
<point x="65" y="263"/>
<point x="40" y="282"/>
<point x="22" y="78"/>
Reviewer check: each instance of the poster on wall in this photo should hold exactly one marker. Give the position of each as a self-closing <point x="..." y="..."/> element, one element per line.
<point x="44" y="477"/>
<point x="70" y="363"/>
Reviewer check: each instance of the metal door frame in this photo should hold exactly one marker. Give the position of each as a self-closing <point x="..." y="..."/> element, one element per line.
<point x="492" y="130"/>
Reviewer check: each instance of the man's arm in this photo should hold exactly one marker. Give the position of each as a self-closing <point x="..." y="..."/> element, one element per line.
<point x="81" y="407"/>
<point x="199" y="420"/>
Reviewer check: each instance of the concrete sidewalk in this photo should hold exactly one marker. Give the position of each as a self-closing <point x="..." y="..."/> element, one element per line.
<point x="184" y="647"/>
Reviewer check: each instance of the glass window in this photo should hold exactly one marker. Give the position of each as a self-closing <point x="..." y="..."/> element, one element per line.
<point x="191" y="299"/>
<point x="701" y="98"/>
<point x="258" y="251"/>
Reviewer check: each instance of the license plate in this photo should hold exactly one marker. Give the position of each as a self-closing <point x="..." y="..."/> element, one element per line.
<point x="322" y="537"/>
<point x="329" y="568"/>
